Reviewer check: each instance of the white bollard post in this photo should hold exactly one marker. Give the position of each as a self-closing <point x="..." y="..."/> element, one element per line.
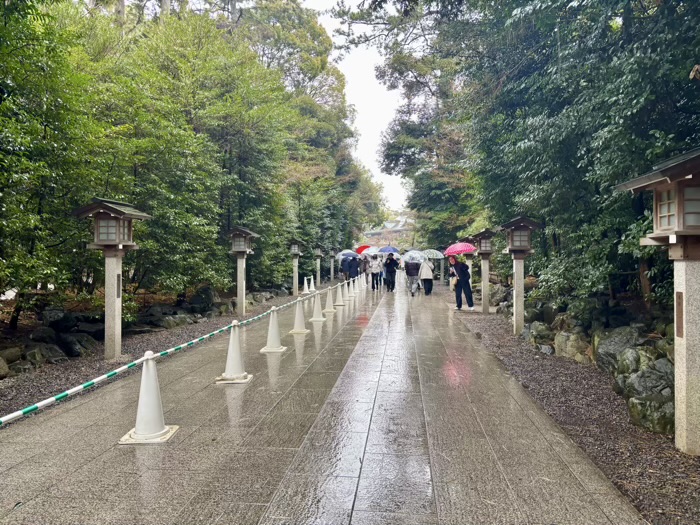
<point x="306" y="287"/>
<point x="339" y="301"/>
<point x="299" y="324"/>
<point x="329" y="301"/>
<point x="234" y="372"/>
<point x="312" y="288"/>
<point x="351" y="288"/>
<point x="273" y="335"/>
<point x="318" y="314"/>
<point x="346" y="294"/>
<point x="150" y="425"/>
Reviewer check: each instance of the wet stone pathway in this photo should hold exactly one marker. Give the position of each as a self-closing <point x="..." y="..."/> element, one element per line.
<point x="388" y="413"/>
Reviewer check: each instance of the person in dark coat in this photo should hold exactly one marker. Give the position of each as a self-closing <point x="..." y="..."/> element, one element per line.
<point x="412" y="269"/>
<point x="390" y="266"/>
<point x="354" y="267"/>
<point x="345" y="267"/>
<point x="461" y="271"/>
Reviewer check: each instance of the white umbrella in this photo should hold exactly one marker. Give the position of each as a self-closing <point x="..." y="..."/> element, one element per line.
<point x="413" y="256"/>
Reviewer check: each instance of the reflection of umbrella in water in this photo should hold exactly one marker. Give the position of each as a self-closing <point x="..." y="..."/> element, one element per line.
<point x="460" y="248"/>
<point x="433" y="254"/>
<point x="299" y="343"/>
<point x="347" y="253"/>
<point x="388" y="249"/>
<point x="413" y="256"/>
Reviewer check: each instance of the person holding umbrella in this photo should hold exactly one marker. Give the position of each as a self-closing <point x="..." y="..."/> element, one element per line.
<point x="345" y="267"/>
<point x="375" y="267"/>
<point x="390" y="267"/>
<point x="461" y="271"/>
<point x="425" y="274"/>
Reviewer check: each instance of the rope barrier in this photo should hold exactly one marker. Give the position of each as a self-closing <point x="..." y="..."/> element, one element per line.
<point x="109" y="375"/>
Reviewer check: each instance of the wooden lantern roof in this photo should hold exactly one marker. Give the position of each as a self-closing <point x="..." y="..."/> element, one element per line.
<point x="122" y="210"/>
<point x="484" y="234"/>
<point x="521" y="222"/>
<point x="240" y="230"/>
<point x="684" y="166"/>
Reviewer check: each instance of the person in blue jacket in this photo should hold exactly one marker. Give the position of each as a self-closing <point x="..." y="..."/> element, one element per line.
<point x="461" y="271"/>
<point x="354" y="267"/>
<point x="345" y="267"/>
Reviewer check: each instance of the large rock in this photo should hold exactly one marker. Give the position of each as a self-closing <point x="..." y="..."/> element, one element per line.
<point x="666" y="347"/>
<point x="4" y="369"/>
<point x="59" y="320"/>
<point x="550" y="312"/>
<point x="655" y="413"/>
<point x="570" y="345"/>
<point x="77" y="344"/>
<point x="204" y="298"/>
<point x="43" y="334"/>
<point x="540" y="334"/>
<point x="10" y="355"/>
<point x="41" y="353"/>
<point x="21" y="367"/>
<point x="628" y="361"/>
<point x="533" y="314"/>
<point x="94" y="330"/>
<point x="499" y="294"/>
<point x="609" y="344"/>
<point x="655" y="380"/>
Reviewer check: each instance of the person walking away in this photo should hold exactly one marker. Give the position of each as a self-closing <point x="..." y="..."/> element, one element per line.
<point x="412" y="269"/>
<point x="365" y="268"/>
<point x="390" y="267"/>
<point x="354" y="267"/>
<point x="461" y="271"/>
<point x="375" y="268"/>
<point x="425" y="274"/>
<point x="345" y="267"/>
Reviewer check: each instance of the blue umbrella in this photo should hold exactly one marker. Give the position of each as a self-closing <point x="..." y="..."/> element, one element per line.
<point x="388" y="249"/>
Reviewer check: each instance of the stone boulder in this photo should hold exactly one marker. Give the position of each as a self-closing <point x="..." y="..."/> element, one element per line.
<point x="4" y="369"/>
<point x="222" y="308"/>
<point x="77" y="344"/>
<point x="546" y="349"/>
<point x="203" y="299"/>
<point x="59" y="320"/>
<point x="628" y="361"/>
<point x="550" y="312"/>
<point x="41" y="353"/>
<point x="94" y="330"/>
<point x="609" y="344"/>
<point x="657" y="379"/>
<point x="540" y="334"/>
<point x="563" y="322"/>
<point x="654" y="412"/>
<point x="10" y="355"/>
<point x="533" y="314"/>
<point x="43" y="334"/>
<point x="567" y="344"/>
<point x="666" y="347"/>
<point x="499" y="294"/>
<point x="21" y="367"/>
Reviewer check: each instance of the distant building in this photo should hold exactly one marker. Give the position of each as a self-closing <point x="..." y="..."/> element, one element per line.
<point x="397" y="232"/>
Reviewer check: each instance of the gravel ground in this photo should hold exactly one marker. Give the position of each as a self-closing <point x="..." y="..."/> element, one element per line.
<point x="24" y="390"/>
<point x="663" y="483"/>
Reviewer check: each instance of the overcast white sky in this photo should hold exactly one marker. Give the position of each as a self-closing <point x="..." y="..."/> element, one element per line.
<point x="374" y="104"/>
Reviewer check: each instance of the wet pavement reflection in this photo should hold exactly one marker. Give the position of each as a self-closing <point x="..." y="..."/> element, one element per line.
<point x="387" y="413"/>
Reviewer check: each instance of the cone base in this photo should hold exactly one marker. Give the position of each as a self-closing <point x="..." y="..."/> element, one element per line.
<point x="278" y="350"/>
<point x="244" y="378"/>
<point x="132" y="439"/>
<point x="329" y="310"/>
<point x="305" y="293"/>
<point x="338" y="304"/>
<point x="304" y="331"/>
<point x="317" y="319"/>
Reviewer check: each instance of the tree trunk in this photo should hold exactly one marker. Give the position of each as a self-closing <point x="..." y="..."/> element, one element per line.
<point x="645" y="282"/>
<point x="164" y="9"/>
<point x="121" y="13"/>
<point x="16" y="311"/>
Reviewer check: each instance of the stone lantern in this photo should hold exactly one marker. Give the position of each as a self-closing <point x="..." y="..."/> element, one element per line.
<point x="241" y="247"/>
<point x="442" y="249"/>
<point x="113" y="234"/>
<point x="483" y="243"/>
<point x="318" y="253"/>
<point x="332" y="253"/>
<point x="676" y="187"/>
<point x="519" y="236"/>
<point x="295" y="251"/>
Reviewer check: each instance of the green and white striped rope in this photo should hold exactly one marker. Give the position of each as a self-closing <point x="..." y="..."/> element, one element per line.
<point x="109" y="375"/>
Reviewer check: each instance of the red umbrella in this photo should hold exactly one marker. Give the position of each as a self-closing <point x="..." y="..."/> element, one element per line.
<point x="362" y="248"/>
<point x="460" y="248"/>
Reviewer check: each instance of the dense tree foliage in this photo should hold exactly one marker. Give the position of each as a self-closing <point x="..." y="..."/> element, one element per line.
<point x="204" y="120"/>
<point x="539" y="107"/>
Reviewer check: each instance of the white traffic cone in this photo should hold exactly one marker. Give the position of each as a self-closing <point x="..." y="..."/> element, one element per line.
<point x="346" y="295"/>
<point x="351" y="288"/>
<point x="318" y="314"/>
<point x="329" y="302"/>
<point x="273" y="335"/>
<point x="339" y="295"/>
<point x="306" y="287"/>
<point x="234" y="372"/>
<point x="150" y="426"/>
<point x="299" y="324"/>
<point x="312" y="288"/>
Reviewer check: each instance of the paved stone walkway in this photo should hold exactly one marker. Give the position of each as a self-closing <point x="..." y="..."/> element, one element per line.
<point x="389" y="413"/>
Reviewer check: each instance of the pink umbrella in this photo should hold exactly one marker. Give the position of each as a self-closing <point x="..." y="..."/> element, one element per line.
<point x="460" y="248"/>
